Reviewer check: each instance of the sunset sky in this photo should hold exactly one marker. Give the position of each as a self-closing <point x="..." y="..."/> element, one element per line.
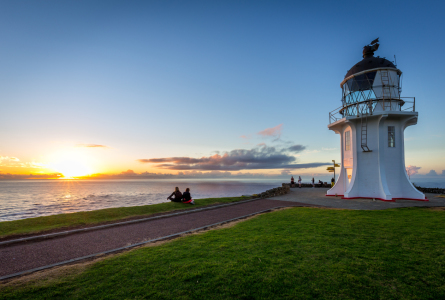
<point x="206" y="88"/>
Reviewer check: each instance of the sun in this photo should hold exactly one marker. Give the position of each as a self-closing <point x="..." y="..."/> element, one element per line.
<point x="71" y="168"/>
<point x="71" y="164"/>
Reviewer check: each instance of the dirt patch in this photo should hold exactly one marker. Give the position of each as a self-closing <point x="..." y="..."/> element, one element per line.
<point x="440" y="208"/>
<point x="52" y="275"/>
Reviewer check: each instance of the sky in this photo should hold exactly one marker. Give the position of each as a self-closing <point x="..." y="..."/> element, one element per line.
<point x="203" y="88"/>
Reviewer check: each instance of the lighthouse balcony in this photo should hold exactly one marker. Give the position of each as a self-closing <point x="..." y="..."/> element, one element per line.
<point x="375" y="106"/>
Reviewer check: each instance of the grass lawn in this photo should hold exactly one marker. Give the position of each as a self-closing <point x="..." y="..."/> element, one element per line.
<point x="298" y="253"/>
<point x="40" y="224"/>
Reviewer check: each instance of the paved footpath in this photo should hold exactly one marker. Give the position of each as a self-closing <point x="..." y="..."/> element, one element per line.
<point x="24" y="256"/>
<point x="317" y="196"/>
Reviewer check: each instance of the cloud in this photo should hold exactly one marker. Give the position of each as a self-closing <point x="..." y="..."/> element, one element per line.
<point x="260" y="157"/>
<point x="411" y="170"/>
<point x="9" y="176"/>
<point x="211" y="174"/>
<point x="246" y="137"/>
<point x="14" y="162"/>
<point x="11" y="162"/>
<point x="296" y="148"/>
<point x="273" y="132"/>
<point x="91" y="146"/>
<point x="431" y="173"/>
<point x="328" y="149"/>
<point x="286" y="172"/>
<point x="7" y="158"/>
<point x="129" y="172"/>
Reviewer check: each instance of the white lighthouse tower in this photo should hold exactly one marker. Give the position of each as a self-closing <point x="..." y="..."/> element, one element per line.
<point x="371" y="123"/>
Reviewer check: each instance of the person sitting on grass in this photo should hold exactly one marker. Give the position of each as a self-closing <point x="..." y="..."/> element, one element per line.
<point x="187" y="198"/>
<point x="177" y="194"/>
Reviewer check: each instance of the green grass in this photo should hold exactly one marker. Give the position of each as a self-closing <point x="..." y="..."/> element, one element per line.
<point x="40" y="224"/>
<point x="299" y="253"/>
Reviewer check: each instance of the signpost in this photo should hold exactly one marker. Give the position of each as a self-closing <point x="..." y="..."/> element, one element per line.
<point x="332" y="169"/>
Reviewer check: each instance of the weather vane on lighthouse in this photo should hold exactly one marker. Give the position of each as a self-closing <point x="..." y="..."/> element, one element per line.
<point x="371" y="123"/>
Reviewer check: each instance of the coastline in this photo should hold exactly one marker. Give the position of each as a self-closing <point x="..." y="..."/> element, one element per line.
<point x="82" y="219"/>
<point x="59" y="222"/>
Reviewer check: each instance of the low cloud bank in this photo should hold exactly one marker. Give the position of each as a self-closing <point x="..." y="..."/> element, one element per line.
<point x="91" y="146"/>
<point x="431" y="173"/>
<point x="9" y="176"/>
<point x="260" y="157"/>
<point x="130" y="174"/>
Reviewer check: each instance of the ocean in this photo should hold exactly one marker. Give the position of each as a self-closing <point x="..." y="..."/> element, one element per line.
<point x="21" y="199"/>
<point x="429" y="182"/>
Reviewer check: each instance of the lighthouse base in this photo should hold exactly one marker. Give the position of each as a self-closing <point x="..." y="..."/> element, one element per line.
<point x="380" y="173"/>
<point x="392" y="200"/>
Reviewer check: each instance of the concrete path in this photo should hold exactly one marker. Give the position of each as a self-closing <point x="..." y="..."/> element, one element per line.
<point x="25" y="256"/>
<point x="316" y="196"/>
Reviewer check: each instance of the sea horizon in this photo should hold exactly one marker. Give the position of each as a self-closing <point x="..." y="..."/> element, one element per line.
<point x="21" y="199"/>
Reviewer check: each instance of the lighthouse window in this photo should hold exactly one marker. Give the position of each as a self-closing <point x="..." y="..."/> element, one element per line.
<point x="361" y="82"/>
<point x="391" y="136"/>
<point x="347" y="140"/>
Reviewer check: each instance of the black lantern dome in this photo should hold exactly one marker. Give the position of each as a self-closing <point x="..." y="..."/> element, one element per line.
<point x="368" y="63"/>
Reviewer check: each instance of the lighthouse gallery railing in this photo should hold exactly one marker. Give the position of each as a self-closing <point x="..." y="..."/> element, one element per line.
<point x="368" y="107"/>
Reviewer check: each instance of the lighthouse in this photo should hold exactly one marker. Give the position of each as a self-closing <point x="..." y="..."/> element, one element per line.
<point x="371" y="123"/>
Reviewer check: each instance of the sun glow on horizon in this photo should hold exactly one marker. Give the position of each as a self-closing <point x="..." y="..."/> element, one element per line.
<point x="71" y="165"/>
<point x="71" y="168"/>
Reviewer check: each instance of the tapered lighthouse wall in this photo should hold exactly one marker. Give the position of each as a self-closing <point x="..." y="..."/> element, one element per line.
<point x="367" y="179"/>
<point x="394" y="159"/>
<point x="378" y="174"/>
<point x="398" y="182"/>
<point x="342" y="181"/>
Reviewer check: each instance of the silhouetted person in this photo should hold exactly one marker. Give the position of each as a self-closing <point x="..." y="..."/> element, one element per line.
<point x="292" y="180"/>
<point x="177" y="194"/>
<point x="186" y="197"/>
